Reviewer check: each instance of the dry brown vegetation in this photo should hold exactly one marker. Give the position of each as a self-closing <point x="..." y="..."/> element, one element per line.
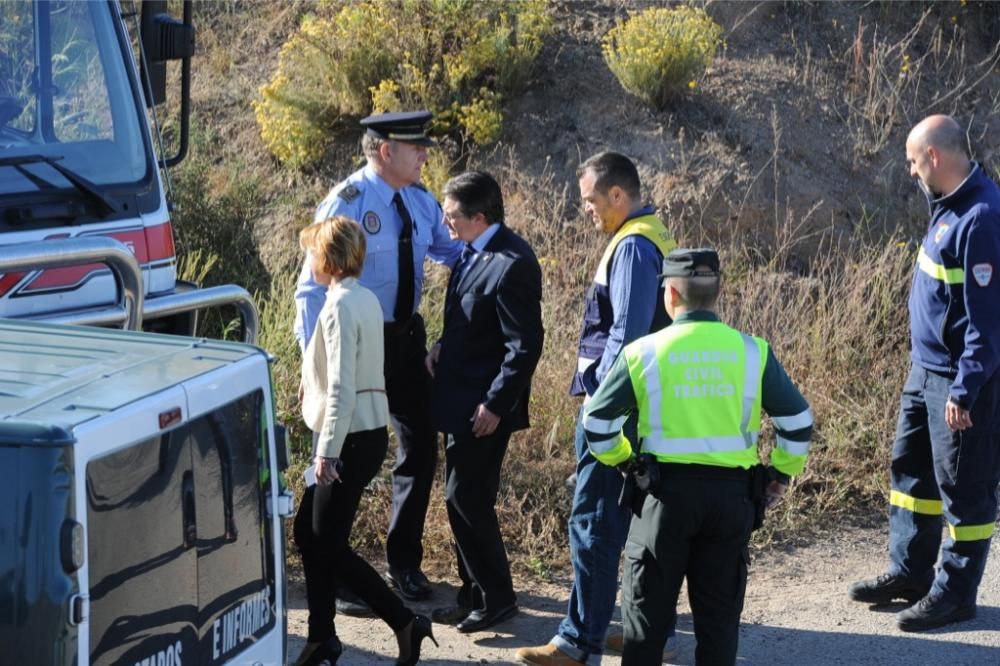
<point x="788" y="158"/>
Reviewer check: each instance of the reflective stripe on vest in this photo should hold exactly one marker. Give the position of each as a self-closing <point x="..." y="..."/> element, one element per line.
<point x="701" y="411"/>
<point x="937" y="271"/>
<point x="601" y="426"/>
<point x="794" y="422"/>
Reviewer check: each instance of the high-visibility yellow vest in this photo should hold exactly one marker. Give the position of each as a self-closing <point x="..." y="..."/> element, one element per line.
<point x="598" y="317"/>
<point x="698" y="390"/>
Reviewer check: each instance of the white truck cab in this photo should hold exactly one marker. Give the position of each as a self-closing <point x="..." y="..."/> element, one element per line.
<point x="143" y="503"/>
<point x="77" y="158"/>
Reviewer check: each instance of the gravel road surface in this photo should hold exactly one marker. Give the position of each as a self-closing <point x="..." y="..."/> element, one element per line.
<point x="797" y="612"/>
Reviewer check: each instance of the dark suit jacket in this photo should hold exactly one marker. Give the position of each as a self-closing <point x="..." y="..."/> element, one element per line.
<point x="492" y="337"/>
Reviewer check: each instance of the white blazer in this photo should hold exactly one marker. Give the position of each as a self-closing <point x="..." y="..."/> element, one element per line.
<point x="343" y="383"/>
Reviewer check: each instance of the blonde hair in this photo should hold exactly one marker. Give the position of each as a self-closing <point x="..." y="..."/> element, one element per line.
<point x="340" y="244"/>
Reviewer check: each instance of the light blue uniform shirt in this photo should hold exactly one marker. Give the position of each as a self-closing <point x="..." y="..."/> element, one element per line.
<point x="370" y="204"/>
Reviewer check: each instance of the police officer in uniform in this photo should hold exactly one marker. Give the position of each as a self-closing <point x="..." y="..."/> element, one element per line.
<point x="946" y="457"/>
<point x="403" y="225"/>
<point x="698" y="388"/>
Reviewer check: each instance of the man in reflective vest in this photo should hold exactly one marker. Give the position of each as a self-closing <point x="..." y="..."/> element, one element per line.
<point x="698" y="387"/>
<point x="946" y="458"/>
<point x="622" y="304"/>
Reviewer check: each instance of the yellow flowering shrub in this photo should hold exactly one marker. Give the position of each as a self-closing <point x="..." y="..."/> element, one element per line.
<point x="457" y="58"/>
<point x="658" y="54"/>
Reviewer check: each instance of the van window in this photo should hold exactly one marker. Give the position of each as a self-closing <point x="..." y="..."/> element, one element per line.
<point x="180" y="543"/>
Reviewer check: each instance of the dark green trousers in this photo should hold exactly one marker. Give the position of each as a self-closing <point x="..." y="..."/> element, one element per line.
<point x="697" y="526"/>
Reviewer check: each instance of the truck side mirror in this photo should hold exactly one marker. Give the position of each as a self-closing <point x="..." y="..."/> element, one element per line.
<point x="165" y="38"/>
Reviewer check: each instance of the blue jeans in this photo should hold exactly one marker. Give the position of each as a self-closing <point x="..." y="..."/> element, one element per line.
<point x="955" y="474"/>
<point x="597" y="531"/>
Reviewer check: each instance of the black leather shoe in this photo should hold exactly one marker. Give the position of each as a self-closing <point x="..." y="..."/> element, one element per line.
<point x="450" y="614"/>
<point x="352" y="605"/>
<point x="932" y="612"/>
<point x="887" y="588"/>
<point x="411" y="584"/>
<point x="479" y="620"/>
<point x="321" y="654"/>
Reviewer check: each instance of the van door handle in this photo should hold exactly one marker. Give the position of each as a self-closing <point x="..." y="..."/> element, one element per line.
<point x="190" y="526"/>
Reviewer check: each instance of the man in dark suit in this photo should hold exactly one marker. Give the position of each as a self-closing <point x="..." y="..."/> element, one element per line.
<point x="481" y="368"/>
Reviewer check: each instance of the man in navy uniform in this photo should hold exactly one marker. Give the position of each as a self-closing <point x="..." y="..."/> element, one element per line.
<point x="946" y="458"/>
<point x="403" y="226"/>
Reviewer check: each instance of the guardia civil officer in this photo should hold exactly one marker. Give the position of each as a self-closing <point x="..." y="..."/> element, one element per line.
<point x="946" y="458"/>
<point x="698" y="387"/>
<point x="403" y="226"/>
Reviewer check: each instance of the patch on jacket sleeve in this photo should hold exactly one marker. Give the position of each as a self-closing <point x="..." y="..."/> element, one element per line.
<point x="349" y="193"/>
<point x="983" y="274"/>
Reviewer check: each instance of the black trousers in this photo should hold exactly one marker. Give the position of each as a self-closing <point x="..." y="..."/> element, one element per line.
<point x="697" y="526"/>
<point x="322" y="533"/>
<point x="408" y="389"/>
<point x="473" y="470"/>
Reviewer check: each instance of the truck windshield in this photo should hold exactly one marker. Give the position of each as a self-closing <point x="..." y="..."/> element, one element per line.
<point x="65" y="95"/>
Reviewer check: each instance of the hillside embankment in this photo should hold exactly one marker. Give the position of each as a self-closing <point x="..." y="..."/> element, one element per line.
<point x="788" y="157"/>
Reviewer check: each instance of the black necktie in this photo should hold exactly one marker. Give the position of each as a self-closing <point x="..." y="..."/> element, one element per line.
<point x="467" y="253"/>
<point x="456" y="275"/>
<point x="405" y="287"/>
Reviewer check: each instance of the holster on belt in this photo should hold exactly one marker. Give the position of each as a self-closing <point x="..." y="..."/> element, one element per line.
<point x="760" y="477"/>
<point x="641" y="478"/>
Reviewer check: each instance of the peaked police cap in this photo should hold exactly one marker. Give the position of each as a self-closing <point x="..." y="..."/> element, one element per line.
<point x="405" y="126"/>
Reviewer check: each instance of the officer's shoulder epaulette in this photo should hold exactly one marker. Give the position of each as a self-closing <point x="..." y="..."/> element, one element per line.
<point x="349" y="192"/>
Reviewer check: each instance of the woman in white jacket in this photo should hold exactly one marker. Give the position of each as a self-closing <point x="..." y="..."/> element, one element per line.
<point x="344" y="403"/>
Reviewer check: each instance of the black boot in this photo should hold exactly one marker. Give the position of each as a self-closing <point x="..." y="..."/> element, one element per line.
<point x="932" y="612"/>
<point x="321" y="654"/>
<point x="887" y="588"/>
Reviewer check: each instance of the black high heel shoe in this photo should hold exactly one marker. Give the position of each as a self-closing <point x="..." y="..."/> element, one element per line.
<point x="326" y="654"/>
<point x="421" y="628"/>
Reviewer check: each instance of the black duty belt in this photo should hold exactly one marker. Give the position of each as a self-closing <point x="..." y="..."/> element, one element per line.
<point x="682" y="470"/>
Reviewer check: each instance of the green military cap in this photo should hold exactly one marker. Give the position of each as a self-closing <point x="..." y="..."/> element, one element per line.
<point x="687" y="262"/>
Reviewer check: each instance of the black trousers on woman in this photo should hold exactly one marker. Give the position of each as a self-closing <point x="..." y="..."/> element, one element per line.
<point x="322" y="533"/>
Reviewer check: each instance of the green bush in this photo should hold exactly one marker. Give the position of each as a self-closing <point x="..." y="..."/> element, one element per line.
<point x="457" y="58"/>
<point x="658" y="54"/>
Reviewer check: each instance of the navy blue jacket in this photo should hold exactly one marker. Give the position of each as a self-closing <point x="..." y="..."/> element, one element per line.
<point x="492" y="337"/>
<point x="955" y="299"/>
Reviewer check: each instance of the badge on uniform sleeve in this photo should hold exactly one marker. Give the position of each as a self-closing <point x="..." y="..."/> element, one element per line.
<point x="941" y="231"/>
<point x="349" y="193"/>
<point x="983" y="274"/>
<point x="371" y="223"/>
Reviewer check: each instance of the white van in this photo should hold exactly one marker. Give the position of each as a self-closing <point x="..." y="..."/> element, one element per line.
<point x="143" y="507"/>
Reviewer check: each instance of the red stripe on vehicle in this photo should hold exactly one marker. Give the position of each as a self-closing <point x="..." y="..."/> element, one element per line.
<point x="160" y="241"/>
<point x="8" y="281"/>
<point x="68" y="276"/>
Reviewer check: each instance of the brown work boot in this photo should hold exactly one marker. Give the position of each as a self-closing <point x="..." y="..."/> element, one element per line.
<point x="546" y="655"/>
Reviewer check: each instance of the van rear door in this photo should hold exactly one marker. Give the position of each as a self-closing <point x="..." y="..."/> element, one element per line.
<point x="141" y="534"/>
<point x="37" y="562"/>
